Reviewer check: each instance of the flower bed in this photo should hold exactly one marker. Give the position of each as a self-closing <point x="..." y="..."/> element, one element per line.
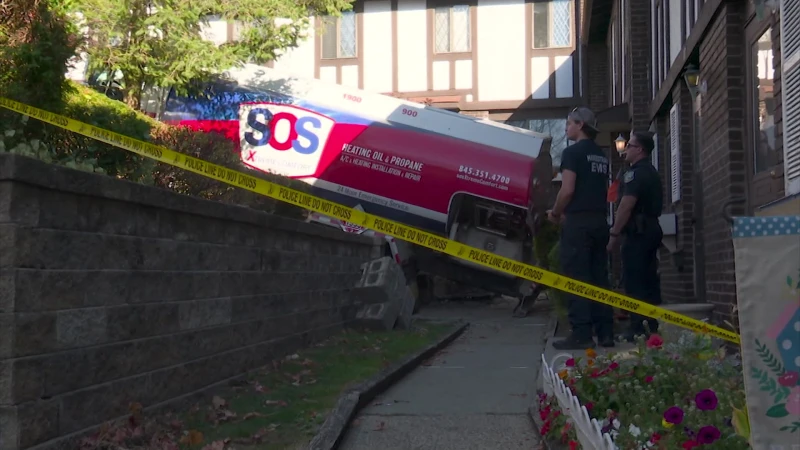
<point x="685" y="394"/>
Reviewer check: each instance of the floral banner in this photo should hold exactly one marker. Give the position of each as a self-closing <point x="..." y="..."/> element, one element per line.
<point x="768" y="291"/>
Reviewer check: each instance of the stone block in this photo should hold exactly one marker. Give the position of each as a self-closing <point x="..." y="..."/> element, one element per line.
<point x="28" y="424"/>
<point x="93" y="406"/>
<point x="204" y="313"/>
<point x="23" y="334"/>
<point x="19" y="203"/>
<point x="141" y="321"/>
<point x="81" y="327"/>
<point x="21" y="380"/>
<point x="38" y="290"/>
<point x="405" y="320"/>
<point x="377" y="316"/>
<point x="382" y="283"/>
<point x="8" y="289"/>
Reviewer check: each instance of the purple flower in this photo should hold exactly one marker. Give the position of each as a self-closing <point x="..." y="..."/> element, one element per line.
<point x="689" y="432"/>
<point x="673" y="415"/>
<point x="708" y="434"/>
<point x="706" y="400"/>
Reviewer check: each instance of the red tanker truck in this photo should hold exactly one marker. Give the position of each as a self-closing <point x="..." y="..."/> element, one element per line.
<point x="472" y="180"/>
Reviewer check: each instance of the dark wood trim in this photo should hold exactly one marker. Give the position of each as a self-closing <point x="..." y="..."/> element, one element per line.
<point x="528" y="104"/>
<point x="359" y="44"/>
<point x="473" y="17"/>
<point x="710" y="9"/>
<point x="528" y="48"/>
<point x="395" y="64"/>
<point x="586" y="20"/>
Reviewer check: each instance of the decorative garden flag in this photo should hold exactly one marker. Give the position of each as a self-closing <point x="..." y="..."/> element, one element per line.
<point x="768" y="292"/>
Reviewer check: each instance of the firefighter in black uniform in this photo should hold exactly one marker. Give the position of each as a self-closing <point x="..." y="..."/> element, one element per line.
<point x="637" y="224"/>
<point x="584" y="230"/>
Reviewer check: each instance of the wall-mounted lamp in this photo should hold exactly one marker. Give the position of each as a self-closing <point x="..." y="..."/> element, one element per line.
<point x="693" y="81"/>
<point x="620" y="142"/>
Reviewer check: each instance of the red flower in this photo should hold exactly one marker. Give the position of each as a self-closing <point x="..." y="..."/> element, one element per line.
<point x="613" y="366"/>
<point x="655" y="341"/>
<point x="571" y="362"/>
<point x="688" y="445"/>
<point x="648" y="379"/>
<point x="589" y="406"/>
<point x="788" y="379"/>
<point x="573" y="445"/>
<point x="655" y="438"/>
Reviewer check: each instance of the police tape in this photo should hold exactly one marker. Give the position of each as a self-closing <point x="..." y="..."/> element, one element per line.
<point x="388" y="227"/>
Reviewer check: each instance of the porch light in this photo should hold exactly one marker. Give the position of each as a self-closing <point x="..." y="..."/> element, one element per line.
<point x="620" y="143"/>
<point x="692" y="78"/>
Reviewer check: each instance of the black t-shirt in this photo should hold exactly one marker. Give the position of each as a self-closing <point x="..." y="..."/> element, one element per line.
<point x="590" y="165"/>
<point x="643" y="182"/>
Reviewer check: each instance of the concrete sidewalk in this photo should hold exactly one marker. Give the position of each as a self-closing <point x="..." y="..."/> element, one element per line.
<point x="473" y="395"/>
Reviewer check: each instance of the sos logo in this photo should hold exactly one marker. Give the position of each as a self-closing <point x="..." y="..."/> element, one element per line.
<point x="283" y="139"/>
<point x="306" y="126"/>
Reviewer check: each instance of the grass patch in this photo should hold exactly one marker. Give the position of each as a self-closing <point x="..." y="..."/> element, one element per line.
<point x="279" y="407"/>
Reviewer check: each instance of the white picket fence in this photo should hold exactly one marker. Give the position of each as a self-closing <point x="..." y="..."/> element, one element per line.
<point x="588" y="429"/>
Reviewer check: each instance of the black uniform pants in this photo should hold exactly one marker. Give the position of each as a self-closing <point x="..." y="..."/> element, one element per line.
<point x="640" y="272"/>
<point x="583" y="256"/>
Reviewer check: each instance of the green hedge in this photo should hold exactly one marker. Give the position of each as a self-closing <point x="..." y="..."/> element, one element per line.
<point x="51" y="144"/>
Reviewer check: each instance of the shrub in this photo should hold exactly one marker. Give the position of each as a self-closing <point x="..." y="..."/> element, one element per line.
<point x="72" y="150"/>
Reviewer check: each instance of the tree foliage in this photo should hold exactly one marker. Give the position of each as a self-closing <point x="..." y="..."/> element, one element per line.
<point x="37" y="41"/>
<point x="161" y="43"/>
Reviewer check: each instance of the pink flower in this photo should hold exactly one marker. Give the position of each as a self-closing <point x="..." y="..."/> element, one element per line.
<point x="571" y="362"/>
<point x="648" y="379"/>
<point x="688" y="445"/>
<point x="708" y="434"/>
<point x="613" y="365"/>
<point x="793" y="402"/>
<point x="655" y="341"/>
<point x="673" y="415"/>
<point x="788" y="379"/>
<point x="706" y="400"/>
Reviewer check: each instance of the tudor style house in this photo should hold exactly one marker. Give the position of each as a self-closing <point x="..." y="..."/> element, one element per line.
<point x="514" y="61"/>
<point x="718" y="81"/>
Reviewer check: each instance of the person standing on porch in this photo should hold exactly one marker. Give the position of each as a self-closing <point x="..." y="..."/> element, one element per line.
<point x="581" y="208"/>
<point x="637" y="221"/>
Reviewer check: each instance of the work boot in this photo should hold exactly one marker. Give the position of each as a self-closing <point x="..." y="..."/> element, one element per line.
<point x="574" y="342"/>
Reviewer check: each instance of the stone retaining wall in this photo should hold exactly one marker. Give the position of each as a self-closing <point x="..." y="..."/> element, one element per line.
<point x="113" y="292"/>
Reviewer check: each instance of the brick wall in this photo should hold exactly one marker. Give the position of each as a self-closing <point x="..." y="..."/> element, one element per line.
<point x="113" y="293"/>
<point x="722" y="55"/>
<point x="598" y="72"/>
<point x="639" y="60"/>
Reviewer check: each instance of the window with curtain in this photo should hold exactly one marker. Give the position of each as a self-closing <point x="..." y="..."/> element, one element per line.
<point x="766" y="153"/>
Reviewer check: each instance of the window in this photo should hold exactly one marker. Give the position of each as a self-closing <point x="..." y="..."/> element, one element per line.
<point x="339" y="36"/>
<point x="555" y="128"/>
<point x="552" y="24"/>
<point x="766" y="155"/>
<point x="452" y="29"/>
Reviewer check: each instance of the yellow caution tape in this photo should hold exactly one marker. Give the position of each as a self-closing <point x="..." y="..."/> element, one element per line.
<point x="388" y="227"/>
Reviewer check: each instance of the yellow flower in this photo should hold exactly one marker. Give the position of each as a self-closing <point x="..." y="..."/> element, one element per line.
<point x="666" y="424"/>
<point x="591" y="353"/>
<point x="563" y="374"/>
<point x="590" y="363"/>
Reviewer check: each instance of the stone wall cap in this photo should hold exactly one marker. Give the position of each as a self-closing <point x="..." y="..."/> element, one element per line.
<point x="21" y="169"/>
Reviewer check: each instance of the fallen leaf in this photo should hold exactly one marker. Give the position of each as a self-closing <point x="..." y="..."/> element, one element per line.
<point x="216" y="445"/>
<point x="355" y="422"/>
<point x="250" y="415"/>
<point x="218" y="402"/>
<point x="307" y="362"/>
<point x="259" y="388"/>
<point x="192" y="437"/>
<point x="176" y="425"/>
<point x="276" y="402"/>
<point x="381" y="426"/>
